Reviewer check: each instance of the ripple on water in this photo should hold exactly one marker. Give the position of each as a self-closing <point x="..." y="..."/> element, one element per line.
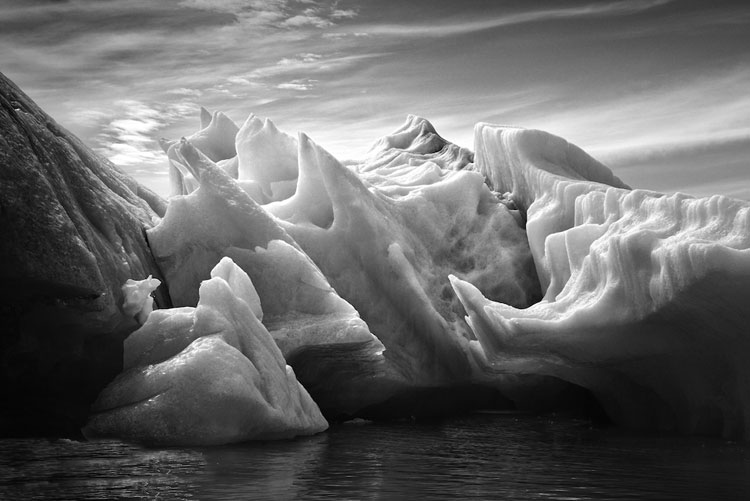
<point x="484" y="456"/>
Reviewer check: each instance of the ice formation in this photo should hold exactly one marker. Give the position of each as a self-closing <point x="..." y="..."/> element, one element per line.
<point x="138" y="301"/>
<point x="646" y="294"/>
<point x="359" y="258"/>
<point x="205" y="375"/>
<point x="420" y="279"/>
<point x="562" y="271"/>
<point x="266" y="159"/>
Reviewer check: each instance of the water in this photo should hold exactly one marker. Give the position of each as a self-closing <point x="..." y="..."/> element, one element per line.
<point x="482" y="456"/>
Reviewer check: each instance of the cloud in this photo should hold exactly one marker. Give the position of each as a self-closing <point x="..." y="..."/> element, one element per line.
<point x="274" y="13"/>
<point x="310" y="17"/>
<point x="636" y="82"/>
<point x="305" y="64"/>
<point x="302" y="84"/>
<point x="705" y="109"/>
<point x="184" y="91"/>
<point x="300" y="60"/>
<point x="161" y="57"/>
<point x="343" y="13"/>
<point x="442" y="29"/>
<point x="246" y="10"/>
<point x="129" y="139"/>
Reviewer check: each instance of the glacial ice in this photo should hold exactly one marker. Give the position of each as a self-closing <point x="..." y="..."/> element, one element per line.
<point x="376" y="239"/>
<point x="392" y="283"/>
<point x="215" y="139"/>
<point x="645" y="294"/>
<point x="267" y="157"/>
<point x="138" y="301"/>
<point x="205" y="375"/>
<point x="525" y="267"/>
<point x="303" y="313"/>
<point x="390" y="256"/>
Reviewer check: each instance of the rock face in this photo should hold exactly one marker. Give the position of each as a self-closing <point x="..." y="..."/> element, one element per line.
<point x="71" y="233"/>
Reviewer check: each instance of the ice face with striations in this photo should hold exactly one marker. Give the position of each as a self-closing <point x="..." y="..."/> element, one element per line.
<point x="645" y="294"/>
<point x="205" y="375"/>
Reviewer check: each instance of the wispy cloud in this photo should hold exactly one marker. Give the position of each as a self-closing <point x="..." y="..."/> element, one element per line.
<point x="635" y="82"/>
<point x="275" y="13"/>
<point x="702" y="110"/>
<point x="447" y="29"/>
<point x="301" y="84"/>
<point x="129" y="139"/>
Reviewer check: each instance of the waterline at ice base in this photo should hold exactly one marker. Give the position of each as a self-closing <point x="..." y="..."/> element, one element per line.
<point x="280" y="289"/>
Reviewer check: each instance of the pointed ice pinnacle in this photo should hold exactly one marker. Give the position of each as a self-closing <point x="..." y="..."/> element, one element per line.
<point x="265" y="154"/>
<point x="311" y="201"/>
<point x="216" y="140"/>
<point x="218" y="212"/>
<point x="205" y="117"/>
<point x="402" y="247"/>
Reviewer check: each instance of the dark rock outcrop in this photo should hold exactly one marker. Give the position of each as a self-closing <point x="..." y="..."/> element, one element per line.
<point x="72" y="231"/>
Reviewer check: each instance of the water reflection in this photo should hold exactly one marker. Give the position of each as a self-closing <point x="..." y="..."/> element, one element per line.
<point x="481" y="456"/>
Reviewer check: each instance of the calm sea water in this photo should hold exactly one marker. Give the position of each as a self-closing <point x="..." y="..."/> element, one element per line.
<point x="482" y="456"/>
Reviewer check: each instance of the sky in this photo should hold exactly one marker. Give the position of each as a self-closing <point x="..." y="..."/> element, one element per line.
<point x="658" y="90"/>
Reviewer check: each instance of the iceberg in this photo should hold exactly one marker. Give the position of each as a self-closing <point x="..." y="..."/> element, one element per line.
<point x="311" y="323"/>
<point x="205" y="376"/>
<point x="266" y="158"/>
<point x="281" y="285"/>
<point x="390" y="255"/>
<point x="356" y="290"/>
<point x="645" y="294"/>
<point x="215" y="139"/>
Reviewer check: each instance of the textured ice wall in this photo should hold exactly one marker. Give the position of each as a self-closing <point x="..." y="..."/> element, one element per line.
<point x="646" y="294"/>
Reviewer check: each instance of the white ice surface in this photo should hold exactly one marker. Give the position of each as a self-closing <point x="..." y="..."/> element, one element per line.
<point x="137" y="300"/>
<point x="645" y="294"/>
<point x="204" y="376"/>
